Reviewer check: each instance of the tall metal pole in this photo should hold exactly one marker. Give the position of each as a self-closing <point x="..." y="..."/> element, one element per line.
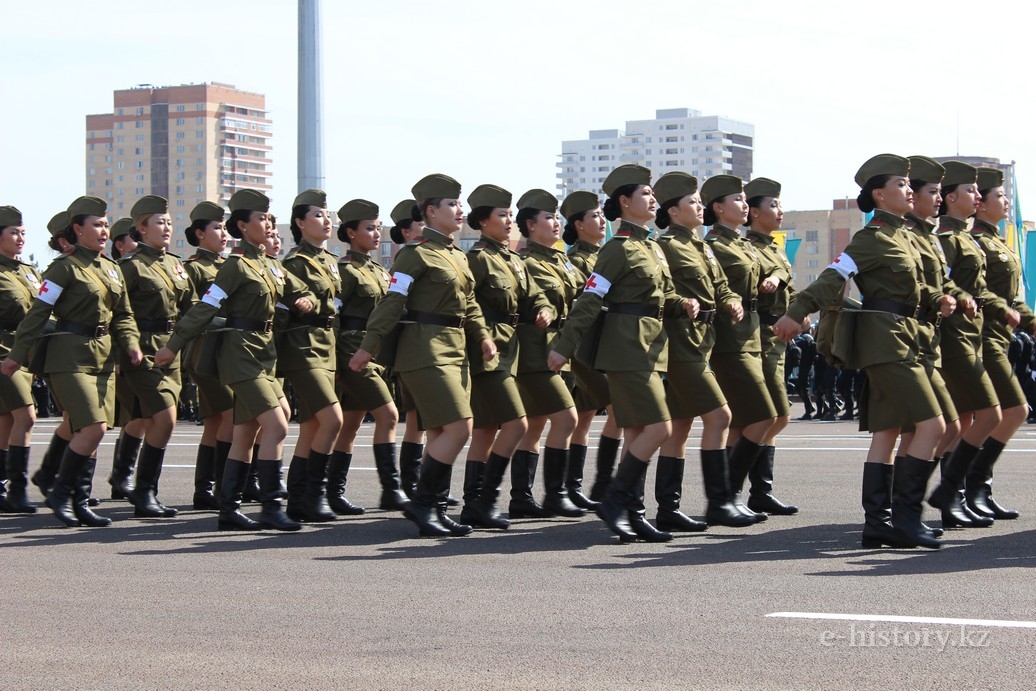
<point x="311" y="118"/>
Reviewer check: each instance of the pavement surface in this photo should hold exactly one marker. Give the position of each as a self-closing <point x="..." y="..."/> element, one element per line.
<point x="363" y="602"/>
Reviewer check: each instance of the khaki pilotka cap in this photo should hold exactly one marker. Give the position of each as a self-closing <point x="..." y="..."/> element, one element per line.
<point x="720" y="186"/>
<point x="249" y="200"/>
<point x="762" y="187"/>
<point x="988" y="178"/>
<point x="403" y="211"/>
<point x="675" y="185"/>
<point x="925" y="169"/>
<point x="207" y="211"/>
<point x="357" y="210"/>
<point x="491" y="196"/>
<point x="151" y="204"/>
<point x="311" y="197"/>
<point x="436" y="186"/>
<point x="882" y="164"/>
<point x="629" y="174"/>
<point x="958" y="173"/>
<point x="10" y="216"/>
<point x="120" y="228"/>
<point x="58" y="222"/>
<point x="538" y="199"/>
<point x="87" y="206"/>
<point x="579" y="202"/>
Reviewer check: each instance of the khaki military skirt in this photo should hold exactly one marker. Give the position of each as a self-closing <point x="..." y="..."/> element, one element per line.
<point x="896" y="396"/>
<point x="365" y="390"/>
<point x="495" y="399"/>
<point x="1005" y="383"/>
<point x="153" y="389"/>
<point x="691" y="390"/>
<point x="638" y="398"/>
<point x="741" y="378"/>
<point x="942" y="395"/>
<point x="253" y="397"/>
<point x="314" y="390"/>
<point x="544" y="393"/>
<point x="87" y="398"/>
<point x="15" y="391"/>
<point x="774" y="351"/>
<point x="591" y="388"/>
<point x="968" y="383"/>
<point x="213" y="397"/>
<point x="442" y="393"/>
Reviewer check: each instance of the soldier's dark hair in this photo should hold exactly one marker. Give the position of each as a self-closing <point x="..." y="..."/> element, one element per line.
<point x="69" y="233"/>
<point x="192" y="231"/>
<point x="711" y="218"/>
<point x="479" y="214"/>
<point x="3" y="228"/>
<point x="946" y="190"/>
<point x="865" y="200"/>
<point x="571" y="234"/>
<point x="396" y="231"/>
<point x="612" y="208"/>
<point x="298" y="213"/>
<point x="418" y="212"/>
<point x="53" y="243"/>
<point x="239" y="216"/>
<point x="917" y="185"/>
<point x="983" y="193"/>
<point x="522" y="219"/>
<point x="343" y="235"/>
<point x="662" y="219"/>
<point x="753" y="203"/>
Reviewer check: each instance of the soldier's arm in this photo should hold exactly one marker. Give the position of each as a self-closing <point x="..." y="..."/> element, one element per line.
<point x="407" y="269"/>
<point x="55" y="279"/>
<point x="198" y="316"/>
<point x="611" y="266"/>
<point x="123" y="325"/>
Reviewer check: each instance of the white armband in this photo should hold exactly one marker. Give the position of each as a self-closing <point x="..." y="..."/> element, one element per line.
<point x="49" y="292"/>
<point x="400" y="283"/>
<point x="281" y="306"/>
<point x="214" y="296"/>
<point x="598" y="285"/>
<point x="844" y="265"/>
<point x="338" y="304"/>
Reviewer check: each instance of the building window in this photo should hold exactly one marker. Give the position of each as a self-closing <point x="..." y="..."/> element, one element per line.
<point x="180" y="202"/>
<point x="118" y="125"/>
<point x="199" y="134"/>
<point x="179" y="189"/>
<point x="179" y="163"/>
<point x="199" y="147"/>
<point x="812" y="236"/>
<point x="140" y="165"/>
<point x="180" y="149"/>
<point x="200" y="120"/>
<point x="140" y="178"/>
<point x="180" y="176"/>
<point x="179" y="136"/>
<point x="140" y="110"/>
<point x="180" y="108"/>
<point x="200" y="189"/>
<point x="138" y="138"/>
<point x="671" y="127"/>
<point x="199" y="106"/>
<point x="179" y="121"/>
<point x="138" y="151"/>
<point x="140" y="124"/>
<point x="119" y="165"/>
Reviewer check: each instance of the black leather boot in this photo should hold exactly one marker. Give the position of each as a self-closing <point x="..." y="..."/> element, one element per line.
<point x="443" y="495"/>
<point x="410" y="455"/>
<point x="3" y="481"/>
<point x="877" y="500"/>
<point x="908" y="490"/>
<point x="17" y="500"/>
<point x="637" y="517"/>
<point x="272" y="485"/>
<point x="296" y="484"/>
<point x="44" y="476"/>
<point x="222" y="452"/>
<point x="392" y="497"/>
<point x="253" y="493"/>
<point x="936" y="532"/>
<point x="125" y="458"/>
<point x="741" y="459"/>
<point x="556" y="501"/>
<point x="979" y="483"/>
<point x="423" y="509"/>
<point x="205" y="479"/>
<point x="668" y="488"/>
<point x="235" y="475"/>
<point x="607" y="452"/>
<point x="474" y="472"/>
<point x="719" y="510"/>
<point x="81" y="497"/>
<point x="760" y="496"/>
<point x="483" y="512"/>
<point x="337" y="476"/>
<point x="622" y="496"/>
<point x="523" y="473"/>
<point x="143" y="496"/>
<point x="947" y="496"/>
<point x="313" y="503"/>
<point x="59" y="499"/>
<point x="574" y="478"/>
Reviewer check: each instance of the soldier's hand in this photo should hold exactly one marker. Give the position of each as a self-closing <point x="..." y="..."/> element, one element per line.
<point x="359" y="360"/>
<point x="770" y="285"/>
<point x="969" y="307"/>
<point x="488" y="349"/>
<point x="787" y="328"/>
<point x="947" y="305"/>
<point x="543" y="318"/>
<point x="691" y="307"/>
<point x="164" y="357"/>
<point x="806" y="323"/>
<point x="8" y="367"/>
<point x="135" y="356"/>
<point x="1012" y="318"/>
<point x="555" y="362"/>
<point x="737" y="312"/>
<point x="304" y="305"/>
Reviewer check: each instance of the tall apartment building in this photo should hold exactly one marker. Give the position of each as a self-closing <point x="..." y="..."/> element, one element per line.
<point x="676" y="139"/>
<point x="824" y="234"/>
<point x="188" y="143"/>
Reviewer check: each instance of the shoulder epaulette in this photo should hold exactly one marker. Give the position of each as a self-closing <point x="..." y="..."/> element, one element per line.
<point x="347" y="259"/>
<point x="333" y="253"/>
<point x="523" y="252"/>
<point x="240" y="251"/>
<point x="131" y="253"/>
<point x="478" y="246"/>
<point x="174" y="256"/>
<point x="416" y="241"/>
<point x="664" y="238"/>
<point x="944" y="231"/>
<point x="291" y="253"/>
<point x="193" y="258"/>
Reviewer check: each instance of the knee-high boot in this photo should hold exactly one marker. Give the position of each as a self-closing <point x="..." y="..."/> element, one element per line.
<point x="979" y="483"/>
<point x="482" y="511"/>
<point x="668" y="489"/>
<point x="17" y="500"/>
<point x="622" y="497"/>
<point x="715" y="475"/>
<point x="44" y="476"/>
<point x="81" y="497"/>
<point x="760" y="496"/>
<point x="574" y="478"/>
<point x="947" y="495"/>
<point x="742" y="458"/>
<point x="423" y="509"/>
<point x="272" y="486"/>
<point x="523" y="474"/>
<point x="231" y="488"/>
<point x="877" y="502"/>
<point x="908" y="488"/>
<point x="607" y="452"/>
<point x="314" y="504"/>
<point x="410" y="455"/>
<point x="337" y="476"/>
<point x="144" y="495"/>
<point x="59" y="499"/>
<point x="637" y="517"/>
<point x="392" y="497"/>
<point x="205" y="479"/>
<point x="442" y="496"/>
<point x="556" y="501"/>
<point x="296" y="484"/>
<point x="125" y="458"/>
<point x="253" y="493"/>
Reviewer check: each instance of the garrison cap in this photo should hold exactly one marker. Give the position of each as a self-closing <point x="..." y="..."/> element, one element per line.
<point x="207" y="211"/>
<point x="882" y="164"/>
<point x="579" y="202"/>
<point x="311" y="197"/>
<point x="121" y="227"/>
<point x="629" y="174"/>
<point x="489" y="195"/>
<point x="675" y="185"/>
<point x="403" y="211"/>
<point x="538" y="199"/>
<point x="88" y="206"/>
<point x="762" y="187"/>
<point x="59" y="222"/>
<point x="958" y="173"/>
<point x="720" y="186"/>
<point x="249" y="200"/>
<point x="357" y="210"/>
<point x="988" y="178"/>
<point x="151" y="204"/>
<point x="925" y="169"/>
<point x="436" y="186"/>
<point x="10" y="216"/>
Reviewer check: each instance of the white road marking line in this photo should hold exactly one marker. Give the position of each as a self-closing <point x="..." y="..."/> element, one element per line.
<point x="949" y="621"/>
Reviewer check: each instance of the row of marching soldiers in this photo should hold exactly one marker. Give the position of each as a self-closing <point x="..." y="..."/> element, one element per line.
<point x="492" y="347"/>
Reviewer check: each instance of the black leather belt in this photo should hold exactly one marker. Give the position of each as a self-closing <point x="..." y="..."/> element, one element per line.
<point x="706" y="316"/>
<point x="246" y="324"/>
<point x="900" y="308"/>
<point x="88" y="330"/>
<point x="319" y="321"/>
<point x="158" y="326"/>
<point x="636" y="309"/>
<point x="558" y="323"/>
<point x="352" y="323"/>
<point x="750" y="305"/>
<point x="767" y="318"/>
<point x="434" y="319"/>
<point x="9" y="325"/>
<point x="494" y="317"/>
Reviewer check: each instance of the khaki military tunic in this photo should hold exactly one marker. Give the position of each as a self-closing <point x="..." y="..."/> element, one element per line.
<point x="19" y="283"/>
<point x="886" y="265"/>
<point x="364" y="283"/>
<point x="773" y="262"/>
<point x="591" y="386"/>
<point x="213" y="397"/>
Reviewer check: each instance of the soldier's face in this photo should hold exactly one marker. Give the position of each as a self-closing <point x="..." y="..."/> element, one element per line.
<point x="12" y="240"/>
<point x="413" y="231"/>
<point x="640" y="206"/>
<point x="895" y="196"/>
<point x="996" y="206"/>
<point x="257" y="228"/>
<point x="498" y="226"/>
<point x="545" y="228"/>
<point x="689" y="211"/>
<point x="316" y="225"/>
<point x="767" y="216"/>
<point x="367" y="236"/>
<point x="214" y="237"/>
<point x="447" y="217"/>
<point x="963" y="201"/>
<point x="592" y="227"/>
<point x="927" y="200"/>
<point x="732" y="211"/>
<point x="93" y="234"/>
<point x="157" y="231"/>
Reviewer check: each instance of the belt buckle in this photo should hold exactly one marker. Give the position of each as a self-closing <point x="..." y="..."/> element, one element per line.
<point x="560" y="323"/>
<point x="514" y="319"/>
<point x="267" y="326"/>
<point x="938" y="320"/>
<point x="100" y="330"/>
<point x="461" y="321"/>
<point x="169" y="323"/>
<point x="661" y="309"/>
<point x="917" y="312"/>
<point x="329" y="322"/>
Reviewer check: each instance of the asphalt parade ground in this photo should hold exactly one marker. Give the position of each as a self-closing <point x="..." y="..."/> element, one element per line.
<point x="363" y="602"/>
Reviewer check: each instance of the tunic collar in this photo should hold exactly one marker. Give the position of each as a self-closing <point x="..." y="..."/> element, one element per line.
<point x="632" y="230"/>
<point x="432" y="235"/>
<point x="761" y="237"/>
